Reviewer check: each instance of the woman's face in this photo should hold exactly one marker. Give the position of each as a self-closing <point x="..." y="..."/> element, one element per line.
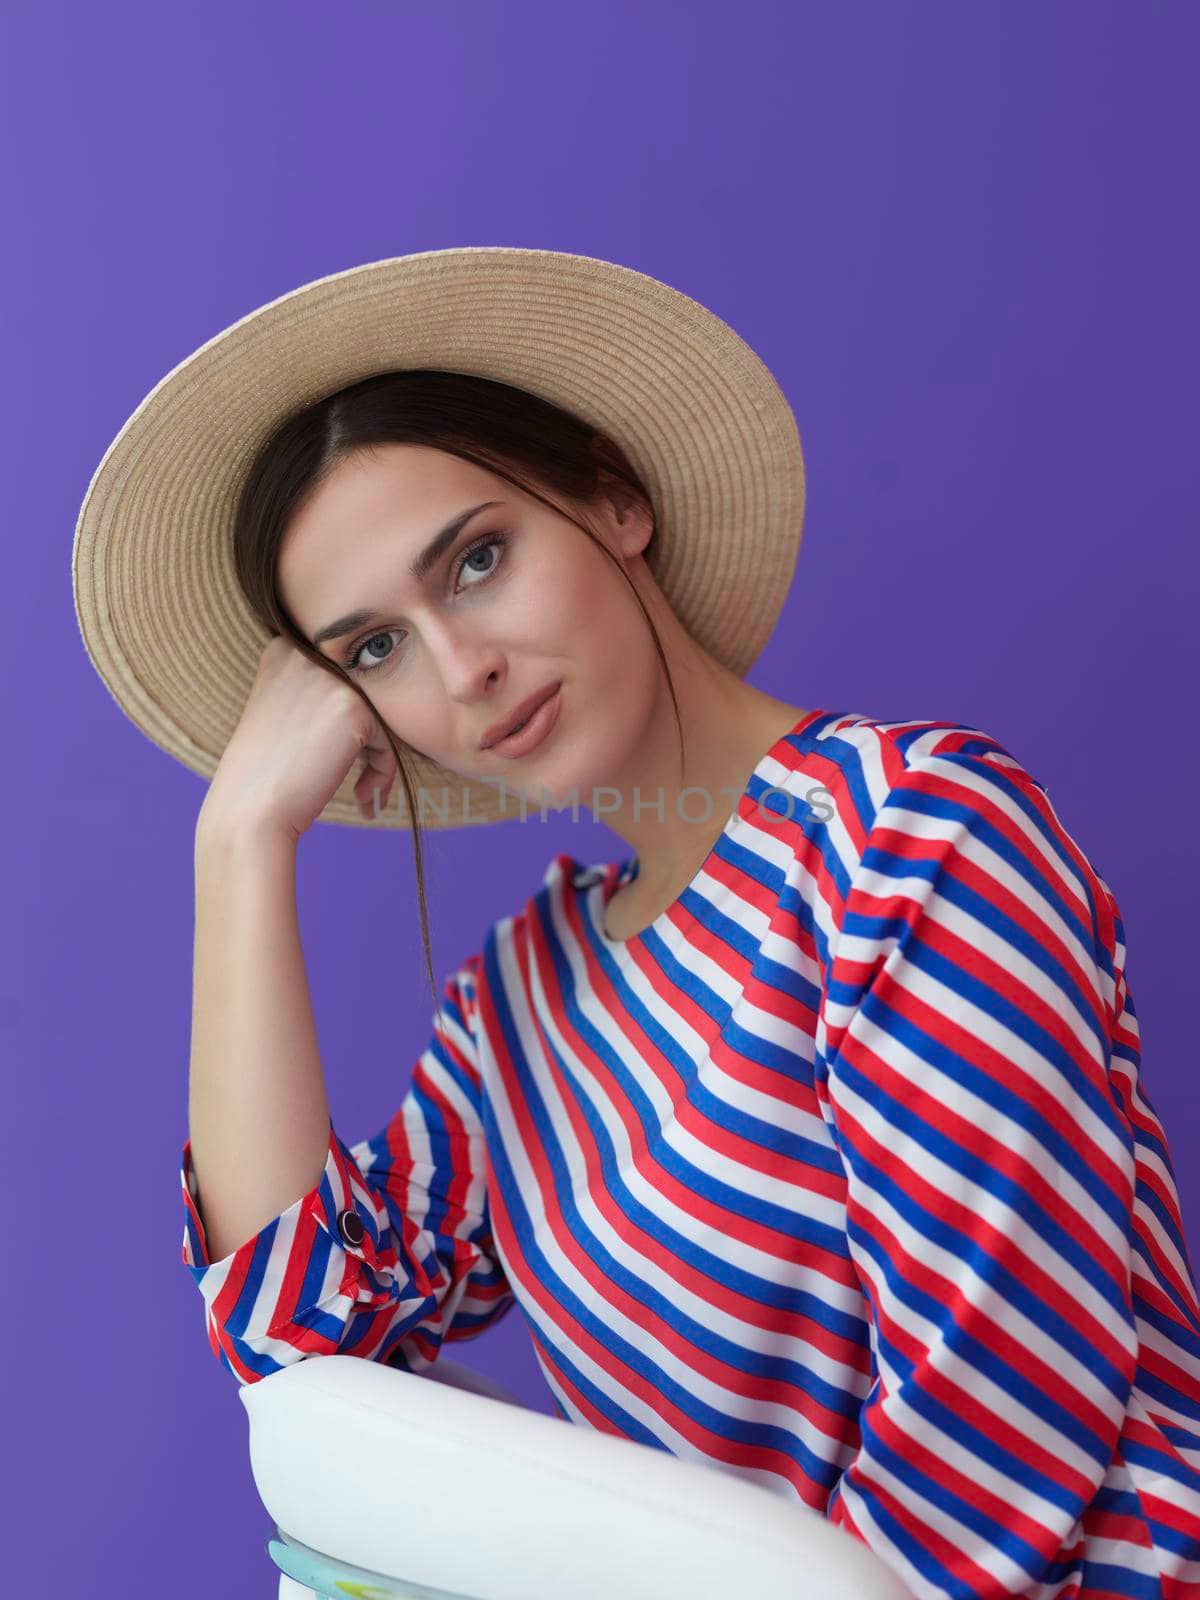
<point x="518" y="599"/>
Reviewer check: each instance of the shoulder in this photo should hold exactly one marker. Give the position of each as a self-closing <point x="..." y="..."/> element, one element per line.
<point x="854" y="751"/>
<point x="835" y="778"/>
<point x="957" y="810"/>
<point x="867" y="790"/>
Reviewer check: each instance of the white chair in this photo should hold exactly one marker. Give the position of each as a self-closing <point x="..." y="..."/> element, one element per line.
<point x="384" y="1485"/>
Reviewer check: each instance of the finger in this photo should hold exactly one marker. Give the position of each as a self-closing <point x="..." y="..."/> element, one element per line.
<point x="374" y="784"/>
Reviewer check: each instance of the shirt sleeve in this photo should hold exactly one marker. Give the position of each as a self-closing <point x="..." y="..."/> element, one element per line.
<point x="970" y="1011"/>
<point x="412" y="1264"/>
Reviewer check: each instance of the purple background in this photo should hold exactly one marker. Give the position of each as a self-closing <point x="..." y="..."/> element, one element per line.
<point x="964" y="238"/>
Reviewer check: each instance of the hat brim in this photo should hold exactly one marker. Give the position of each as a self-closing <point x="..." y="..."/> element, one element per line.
<point x="697" y="413"/>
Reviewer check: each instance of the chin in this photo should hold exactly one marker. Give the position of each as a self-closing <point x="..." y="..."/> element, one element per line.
<point x="566" y="779"/>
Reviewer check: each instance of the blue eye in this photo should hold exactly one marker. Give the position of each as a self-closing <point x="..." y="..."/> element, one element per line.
<point x="352" y="660"/>
<point x="499" y="540"/>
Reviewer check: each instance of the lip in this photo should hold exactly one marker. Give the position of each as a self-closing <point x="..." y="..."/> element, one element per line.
<point x="535" y="729"/>
<point x="527" y="707"/>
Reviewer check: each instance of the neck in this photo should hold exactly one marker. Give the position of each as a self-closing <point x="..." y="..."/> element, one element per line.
<point x="727" y="727"/>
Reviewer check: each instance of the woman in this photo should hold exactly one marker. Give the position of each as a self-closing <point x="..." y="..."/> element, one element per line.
<point x="810" y="1138"/>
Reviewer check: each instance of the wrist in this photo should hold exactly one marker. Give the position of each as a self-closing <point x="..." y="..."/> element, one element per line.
<point x="222" y="827"/>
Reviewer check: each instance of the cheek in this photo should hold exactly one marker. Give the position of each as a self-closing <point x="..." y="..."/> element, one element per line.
<point x="549" y="600"/>
<point x="414" y="708"/>
<point x="423" y="733"/>
<point x="593" y="608"/>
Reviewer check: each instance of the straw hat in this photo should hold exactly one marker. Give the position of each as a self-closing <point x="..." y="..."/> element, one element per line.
<point x="698" y="415"/>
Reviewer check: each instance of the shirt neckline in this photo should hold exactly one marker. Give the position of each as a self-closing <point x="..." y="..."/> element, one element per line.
<point x="601" y="893"/>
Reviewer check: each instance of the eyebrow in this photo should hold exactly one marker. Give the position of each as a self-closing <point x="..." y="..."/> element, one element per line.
<point x="420" y="569"/>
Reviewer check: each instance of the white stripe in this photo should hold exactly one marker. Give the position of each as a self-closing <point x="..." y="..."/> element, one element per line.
<point x="981" y="1296"/>
<point x="744" y="1335"/>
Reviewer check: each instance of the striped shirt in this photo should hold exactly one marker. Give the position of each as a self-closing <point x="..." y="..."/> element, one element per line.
<point x="839" y="1176"/>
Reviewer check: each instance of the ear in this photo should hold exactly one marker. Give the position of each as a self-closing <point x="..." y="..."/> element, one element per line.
<point x="635" y="519"/>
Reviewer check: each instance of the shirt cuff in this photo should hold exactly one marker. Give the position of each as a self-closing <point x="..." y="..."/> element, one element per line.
<point x="340" y="1203"/>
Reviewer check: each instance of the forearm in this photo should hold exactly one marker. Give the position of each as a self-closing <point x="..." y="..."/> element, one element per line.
<point x="258" y="1111"/>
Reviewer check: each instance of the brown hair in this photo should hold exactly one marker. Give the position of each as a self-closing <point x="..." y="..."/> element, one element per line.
<point x="533" y="443"/>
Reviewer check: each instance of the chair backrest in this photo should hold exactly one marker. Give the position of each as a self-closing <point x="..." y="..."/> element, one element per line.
<point x="433" y="1484"/>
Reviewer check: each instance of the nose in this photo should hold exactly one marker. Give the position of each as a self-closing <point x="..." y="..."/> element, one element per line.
<point x="470" y="664"/>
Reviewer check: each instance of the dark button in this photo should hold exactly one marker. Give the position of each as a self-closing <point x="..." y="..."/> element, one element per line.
<point x="350" y="1226"/>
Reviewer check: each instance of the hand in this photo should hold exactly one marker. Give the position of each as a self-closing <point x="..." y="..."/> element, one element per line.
<point x="300" y="732"/>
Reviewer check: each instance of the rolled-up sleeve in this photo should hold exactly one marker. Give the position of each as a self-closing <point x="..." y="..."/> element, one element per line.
<point x="391" y="1253"/>
<point x="970" y="1013"/>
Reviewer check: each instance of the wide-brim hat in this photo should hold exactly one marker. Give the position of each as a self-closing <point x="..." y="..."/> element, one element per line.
<point x="696" y="412"/>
